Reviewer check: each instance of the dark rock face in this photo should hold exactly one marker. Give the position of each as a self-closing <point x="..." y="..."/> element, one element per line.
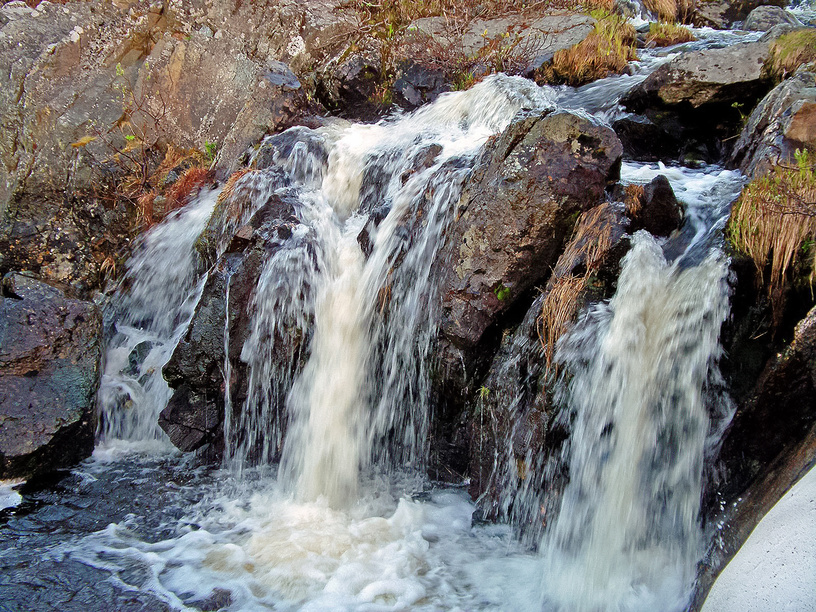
<point x="512" y="421"/>
<point x="195" y="414"/>
<point x="643" y="140"/>
<point x="516" y="212"/>
<point x="763" y="18"/>
<point x="783" y="121"/>
<point x="351" y="84"/>
<point x="49" y="370"/>
<point x="657" y="209"/>
<point x="417" y="85"/>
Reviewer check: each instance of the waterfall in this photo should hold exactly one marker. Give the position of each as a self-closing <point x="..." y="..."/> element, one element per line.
<point x="150" y="313"/>
<point x="363" y="292"/>
<point x="627" y="535"/>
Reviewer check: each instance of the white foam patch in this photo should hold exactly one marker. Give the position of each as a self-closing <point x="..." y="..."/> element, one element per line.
<point x="9" y="498"/>
<point x="383" y="554"/>
<point x="776" y="567"/>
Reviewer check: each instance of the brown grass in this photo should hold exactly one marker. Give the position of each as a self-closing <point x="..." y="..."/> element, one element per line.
<point x="667" y="34"/>
<point x="790" y="51"/>
<point x="187" y="186"/>
<point x="774" y="222"/>
<point x="672" y="10"/>
<point x="607" y="50"/>
<point x="557" y="313"/>
<point x="592" y="240"/>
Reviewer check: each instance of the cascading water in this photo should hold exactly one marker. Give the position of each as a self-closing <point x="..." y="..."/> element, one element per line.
<point x="351" y="280"/>
<point x="148" y="321"/>
<point x="627" y="535"/>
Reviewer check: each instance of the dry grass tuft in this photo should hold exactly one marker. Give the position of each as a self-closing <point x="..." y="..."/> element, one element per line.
<point x="667" y="34"/>
<point x="557" y="313"/>
<point x="774" y="222"/>
<point x="790" y="51"/>
<point x="607" y="50"/>
<point x="187" y="186"/>
<point x="671" y="10"/>
<point x="586" y="251"/>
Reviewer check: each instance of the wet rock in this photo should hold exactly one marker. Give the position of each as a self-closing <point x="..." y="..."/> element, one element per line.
<point x="512" y="426"/>
<point x="516" y="212"/>
<point x="196" y="370"/>
<point x="351" y="83"/>
<point x="49" y="370"/>
<point x="645" y="141"/>
<point x="783" y="121"/>
<point x="722" y="14"/>
<point x="417" y="85"/>
<point x="655" y="208"/>
<point x="763" y="18"/>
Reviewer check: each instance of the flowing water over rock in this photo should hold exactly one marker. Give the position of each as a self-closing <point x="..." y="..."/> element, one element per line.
<point x="345" y="520"/>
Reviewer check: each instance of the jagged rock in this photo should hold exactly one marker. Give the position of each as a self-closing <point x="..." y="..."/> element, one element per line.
<point x="351" y="84"/>
<point x="195" y="414"/>
<point x="783" y="121"/>
<point x="763" y="18"/>
<point x="516" y="212"/>
<point x="722" y="14"/>
<point x="656" y="209"/>
<point x="49" y="370"/>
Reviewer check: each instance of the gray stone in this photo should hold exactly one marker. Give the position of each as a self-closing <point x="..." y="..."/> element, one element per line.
<point x="49" y="370"/>
<point x="783" y="121"/>
<point x="763" y="18"/>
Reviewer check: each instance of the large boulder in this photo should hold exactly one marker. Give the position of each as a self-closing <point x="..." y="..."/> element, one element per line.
<point x="782" y="122"/>
<point x="511" y="420"/>
<point x="722" y="14"/>
<point x="763" y="18"/>
<point x="697" y="98"/>
<point x="49" y="371"/>
<point x="519" y="207"/>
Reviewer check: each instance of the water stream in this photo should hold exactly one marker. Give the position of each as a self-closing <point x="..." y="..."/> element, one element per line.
<point x="346" y="520"/>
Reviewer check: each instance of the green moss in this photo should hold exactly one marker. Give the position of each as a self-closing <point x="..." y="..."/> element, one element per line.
<point x="790" y="51"/>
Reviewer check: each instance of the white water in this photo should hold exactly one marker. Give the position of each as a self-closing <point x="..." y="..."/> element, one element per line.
<point x="341" y="528"/>
<point x="150" y="316"/>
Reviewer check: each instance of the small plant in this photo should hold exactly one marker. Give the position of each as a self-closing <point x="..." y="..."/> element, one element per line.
<point x="774" y="221"/>
<point x="790" y="51"/>
<point x="210" y="149"/>
<point x="667" y="34"/>
<point x="484" y="392"/>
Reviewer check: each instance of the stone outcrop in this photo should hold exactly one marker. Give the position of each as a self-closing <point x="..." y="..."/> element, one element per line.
<point x="49" y="370"/>
<point x="656" y="208"/>
<point x="516" y="213"/>
<point x="782" y="122"/>
<point x="763" y="18"/>
<point x="722" y="14"/>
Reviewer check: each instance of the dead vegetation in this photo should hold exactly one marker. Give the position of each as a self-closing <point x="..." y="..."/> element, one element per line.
<point x="586" y="252"/>
<point x="607" y="50"/>
<point x="671" y="11"/>
<point x="774" y="223"/>
<point x="667" y="34"/>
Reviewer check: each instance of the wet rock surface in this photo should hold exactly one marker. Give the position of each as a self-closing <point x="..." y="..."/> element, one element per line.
<point x="516" y="212"/>
<point x="38" y="571"/>
<point x="782" y="122"/>
<point x="50" y="350"/>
